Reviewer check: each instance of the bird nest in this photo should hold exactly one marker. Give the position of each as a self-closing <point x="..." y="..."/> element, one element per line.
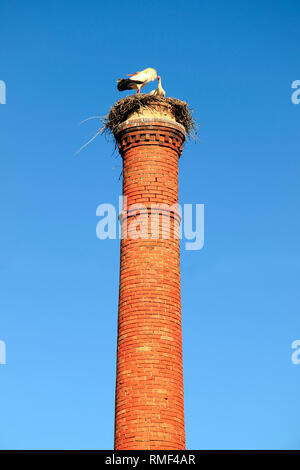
<point x="125" y="107"/>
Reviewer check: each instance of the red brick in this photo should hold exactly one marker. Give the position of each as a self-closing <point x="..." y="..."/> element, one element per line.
<point x="149" y="388"/>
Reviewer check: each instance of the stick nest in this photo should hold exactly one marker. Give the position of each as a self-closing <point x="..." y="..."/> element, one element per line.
<point x="124" y="107"/>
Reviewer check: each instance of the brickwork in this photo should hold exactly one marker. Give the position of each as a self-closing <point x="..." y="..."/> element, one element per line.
<point x="149" y="388"/>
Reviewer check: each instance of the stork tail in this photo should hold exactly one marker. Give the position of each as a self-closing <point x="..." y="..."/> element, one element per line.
<point x="127" y="84"/>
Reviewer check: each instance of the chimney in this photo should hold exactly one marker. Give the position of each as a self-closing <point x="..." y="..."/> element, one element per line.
<point x="149" y="411"/>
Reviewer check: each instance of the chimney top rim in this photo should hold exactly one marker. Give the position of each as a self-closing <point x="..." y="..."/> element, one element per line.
<point x="134" y="123"/>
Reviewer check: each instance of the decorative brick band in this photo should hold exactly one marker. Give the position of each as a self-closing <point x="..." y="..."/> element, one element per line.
<point x="150" y="131"/>
<point x="170" y="213"/>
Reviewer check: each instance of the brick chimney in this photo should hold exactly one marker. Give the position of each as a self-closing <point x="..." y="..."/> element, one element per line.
<point x="149" y="410"/>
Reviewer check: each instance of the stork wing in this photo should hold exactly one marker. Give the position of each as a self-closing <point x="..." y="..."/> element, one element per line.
<point x="146" y="75"/>
<point x="127" y="84"/>
<point x="141" y="76"/>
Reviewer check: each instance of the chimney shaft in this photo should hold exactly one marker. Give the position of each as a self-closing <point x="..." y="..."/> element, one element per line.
<point x="149" y="410"/>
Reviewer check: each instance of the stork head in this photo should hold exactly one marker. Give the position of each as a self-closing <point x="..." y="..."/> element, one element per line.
<point x="158" y="78"/>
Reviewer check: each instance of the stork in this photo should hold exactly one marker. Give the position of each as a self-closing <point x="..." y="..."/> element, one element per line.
<point x="159" y="90"/>
<point x="137" y="80"/>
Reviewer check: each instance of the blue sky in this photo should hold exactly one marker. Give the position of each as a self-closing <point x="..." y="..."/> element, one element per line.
<point x="234" y="63"/>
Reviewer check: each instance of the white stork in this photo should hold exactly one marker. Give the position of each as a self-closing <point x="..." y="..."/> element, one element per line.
<point x="159" y="90"/>
<point x="137" y="80"/>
